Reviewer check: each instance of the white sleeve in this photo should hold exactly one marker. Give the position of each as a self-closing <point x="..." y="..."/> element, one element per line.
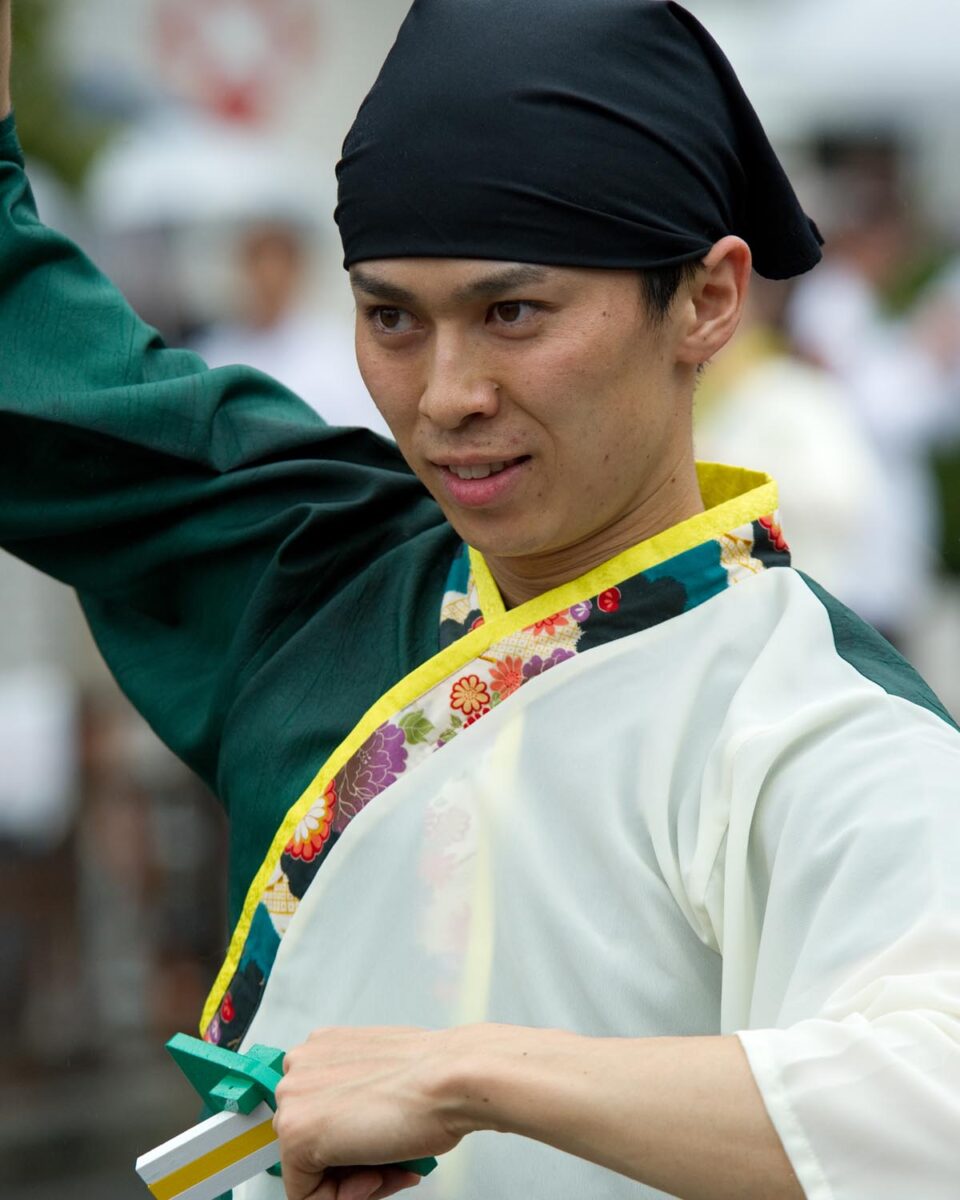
<point x="844" y="947"/>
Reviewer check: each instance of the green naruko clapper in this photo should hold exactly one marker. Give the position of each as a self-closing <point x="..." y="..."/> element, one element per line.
<point x="228" y="1081"/>
<point x="224" y="1080"/>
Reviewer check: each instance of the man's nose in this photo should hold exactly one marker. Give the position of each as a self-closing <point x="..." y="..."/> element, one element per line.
<point x="457" y="388"/>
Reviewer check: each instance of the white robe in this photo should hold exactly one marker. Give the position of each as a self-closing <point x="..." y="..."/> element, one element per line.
<point x="716" y="825"/>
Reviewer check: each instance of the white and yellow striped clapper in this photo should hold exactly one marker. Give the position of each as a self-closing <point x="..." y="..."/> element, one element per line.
<point x="235" y="1144"/>
<point x="212" y="1157"/>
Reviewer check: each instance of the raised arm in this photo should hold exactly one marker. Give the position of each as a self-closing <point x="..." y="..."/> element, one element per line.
<point x="204" y="516"/>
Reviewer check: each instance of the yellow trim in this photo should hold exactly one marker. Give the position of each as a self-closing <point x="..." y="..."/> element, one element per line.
<point x="491" y="602"/>
<point x="727" y="507"/>
<point x="734" y="496"/>
<point x="214" y="1161"/>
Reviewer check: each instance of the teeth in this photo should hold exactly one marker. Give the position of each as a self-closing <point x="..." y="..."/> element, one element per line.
<point x="478" y="472"/>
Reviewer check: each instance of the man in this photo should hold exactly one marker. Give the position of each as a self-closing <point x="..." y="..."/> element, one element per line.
<point x="654" y="862"/>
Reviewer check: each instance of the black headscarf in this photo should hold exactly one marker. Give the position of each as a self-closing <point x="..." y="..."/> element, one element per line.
<point x="595" y="133"/>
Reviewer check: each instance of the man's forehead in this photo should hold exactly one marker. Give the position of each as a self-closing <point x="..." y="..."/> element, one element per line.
<point x="455" y="279"/>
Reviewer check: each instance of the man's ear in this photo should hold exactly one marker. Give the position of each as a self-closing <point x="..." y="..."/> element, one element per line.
<point x="712" y="312"/>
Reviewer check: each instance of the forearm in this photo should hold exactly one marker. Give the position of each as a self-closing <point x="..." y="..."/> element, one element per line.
<point x="681" y="1114"/>
<point x="5" y="44"/>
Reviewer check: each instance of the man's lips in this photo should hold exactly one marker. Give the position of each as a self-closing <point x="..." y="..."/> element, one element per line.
<point x="475" y="467"/>
<point x="491" y="484"/>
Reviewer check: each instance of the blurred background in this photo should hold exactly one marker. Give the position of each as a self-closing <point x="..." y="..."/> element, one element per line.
<point x="189" y="147"/>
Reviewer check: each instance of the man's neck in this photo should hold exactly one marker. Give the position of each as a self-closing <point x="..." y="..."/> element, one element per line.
<point x="674" y="500"/>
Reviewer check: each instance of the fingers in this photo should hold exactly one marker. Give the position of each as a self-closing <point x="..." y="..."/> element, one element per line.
<point x="395" y="1181"/>
<point x="364" y="1183"/>
<point x="305" y="1182"/>
<point x="301" y="1185"/>
<point x="304" y="1176"/>
<point x="361" y="1184"/>
<point x="347" y="1183"/>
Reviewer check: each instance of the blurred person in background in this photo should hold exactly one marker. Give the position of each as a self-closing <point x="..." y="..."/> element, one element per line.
<point x="274" y="332"/>
<point x="38" y="791"/>
<point x="761" y="405"/>
<point x="936" y="325"/>
<point x="691" y="817"/>
<point x="897" y="381"/>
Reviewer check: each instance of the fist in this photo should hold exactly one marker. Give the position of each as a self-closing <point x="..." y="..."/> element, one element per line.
<point x="353" y="1099"/>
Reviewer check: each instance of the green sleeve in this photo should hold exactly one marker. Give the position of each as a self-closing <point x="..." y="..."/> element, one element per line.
<point x="202" y="515"/>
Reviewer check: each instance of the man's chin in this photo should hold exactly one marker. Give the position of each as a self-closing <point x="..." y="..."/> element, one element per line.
<point x="498" y="537"/>
<point x="499" y="531"/>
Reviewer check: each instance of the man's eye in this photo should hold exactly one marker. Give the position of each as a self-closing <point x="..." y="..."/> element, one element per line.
<point x="391" y="320"/>
<point x="514" y="312"/>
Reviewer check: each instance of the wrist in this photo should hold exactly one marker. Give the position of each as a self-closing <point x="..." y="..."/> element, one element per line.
<point x="456" y="1084"/>
<point x="491" y="1077"/>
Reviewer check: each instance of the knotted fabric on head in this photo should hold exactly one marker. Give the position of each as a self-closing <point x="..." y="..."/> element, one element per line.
<point x="595" y="133"/>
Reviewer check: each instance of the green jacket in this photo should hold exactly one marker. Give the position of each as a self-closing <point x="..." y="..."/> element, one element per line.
<point x="255" y="579"/>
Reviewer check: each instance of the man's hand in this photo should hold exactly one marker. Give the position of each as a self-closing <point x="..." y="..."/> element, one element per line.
<point x="362" y="1096"/>
<point x="6" y="41"/>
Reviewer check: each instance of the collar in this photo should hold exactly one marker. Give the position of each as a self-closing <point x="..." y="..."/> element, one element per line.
<point x="737" y="536"/>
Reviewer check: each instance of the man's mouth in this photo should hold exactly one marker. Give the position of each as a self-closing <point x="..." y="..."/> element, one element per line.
<point x="481" y="470"/>
<point x="473" y="483"/>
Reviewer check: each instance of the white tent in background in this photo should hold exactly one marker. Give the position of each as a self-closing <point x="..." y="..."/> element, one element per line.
<point x="168" y="197"/>
<point x="884" y="56"/>
<point x="845" y="62"/>
<point x="181" y="168"/>
<point x="854" y="66"/>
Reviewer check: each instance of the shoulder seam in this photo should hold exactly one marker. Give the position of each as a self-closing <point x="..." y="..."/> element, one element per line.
<point x="860" y="646"/>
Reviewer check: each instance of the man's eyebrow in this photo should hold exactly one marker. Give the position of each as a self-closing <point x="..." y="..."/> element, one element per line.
<point x="506" y="280"/>
<point x="487" y="287"/>
<point x="380" y="288"/>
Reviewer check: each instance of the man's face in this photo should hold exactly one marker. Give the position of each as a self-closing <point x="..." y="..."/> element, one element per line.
<point x="548" y="385"/>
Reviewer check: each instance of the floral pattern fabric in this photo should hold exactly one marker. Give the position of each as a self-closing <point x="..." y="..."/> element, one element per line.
<point x="378" y="762"/>
<point x="434" y="719"/>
